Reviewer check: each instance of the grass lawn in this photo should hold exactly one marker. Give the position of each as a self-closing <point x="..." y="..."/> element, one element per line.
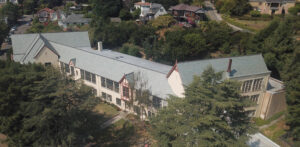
<point x="261" y="122"/>
<point x="275" y="131"/>
<point x="125" y="132"/>
<point x="251" y="25"/>
<point x="106" y="109"/>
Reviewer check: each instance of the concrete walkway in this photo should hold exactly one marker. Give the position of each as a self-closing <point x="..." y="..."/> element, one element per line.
<point x="113" y="120"/>
<point x="271" y="123"/>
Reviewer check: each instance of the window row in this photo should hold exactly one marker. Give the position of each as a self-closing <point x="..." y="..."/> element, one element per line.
<point x="110" y="84"/>
<point x="85" y="75"/>
<point x="253" y="98"/>
<point x="156" y="101"/>
<point x="66" y="68"/>
<point x="106" y="96"/>
<point x="252" y="85"/>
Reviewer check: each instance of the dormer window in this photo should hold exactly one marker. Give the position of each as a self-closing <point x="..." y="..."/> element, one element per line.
<point x="126" y="92"/>
<point x="72" y="71"/>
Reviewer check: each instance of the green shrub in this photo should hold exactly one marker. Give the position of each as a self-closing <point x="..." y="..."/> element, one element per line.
<point x="131" y="49"/>
<point x="255" y="13"/>
<point x="294" y="10"/>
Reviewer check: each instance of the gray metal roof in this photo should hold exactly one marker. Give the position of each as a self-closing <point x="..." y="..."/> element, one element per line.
<point x="259" y="140"/>
<point x="241" y="66"/>
<point x="109" y="64"/>
<point x="275" y="85"/>
<point x="77" y="18"/>
<point x="28" y="43"/>
<point x="155" y="7"/>
<point x="106" y="64"/>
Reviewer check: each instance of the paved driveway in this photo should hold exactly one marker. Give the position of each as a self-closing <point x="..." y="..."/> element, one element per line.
<point x="22" y="27"/>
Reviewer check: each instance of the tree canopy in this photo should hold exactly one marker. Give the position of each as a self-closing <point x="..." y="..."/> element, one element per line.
<point x="211" y="114"/>
<point x="3" y="31"/>
<point x="233" y="7"/>
<point x="11" y="12"/>
<point x="41" y="107"/>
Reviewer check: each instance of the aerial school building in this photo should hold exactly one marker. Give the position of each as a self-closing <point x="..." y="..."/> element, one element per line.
<point x="110" y="73"/>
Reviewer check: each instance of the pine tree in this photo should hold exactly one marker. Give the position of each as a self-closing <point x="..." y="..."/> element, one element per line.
<point x="41" y="107"/>
<point x="292" y="77"/>
<point x="211" y="114"/>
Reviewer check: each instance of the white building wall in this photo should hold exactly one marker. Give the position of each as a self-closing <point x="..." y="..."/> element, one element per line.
<point x="175" y="83"/>
<point x="161" y="12"/>
<point x="261" y="92"/>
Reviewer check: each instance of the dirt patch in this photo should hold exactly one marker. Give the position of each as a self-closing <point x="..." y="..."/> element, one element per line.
<point x="2" y="138"/>
<point x="276" y="131"/>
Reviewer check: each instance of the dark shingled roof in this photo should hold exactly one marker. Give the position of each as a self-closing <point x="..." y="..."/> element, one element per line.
<point x="184" y="7"/>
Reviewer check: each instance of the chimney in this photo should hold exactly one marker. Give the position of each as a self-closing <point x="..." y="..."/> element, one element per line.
<point x="100" y="46"/>
<point x="229" y="66"/>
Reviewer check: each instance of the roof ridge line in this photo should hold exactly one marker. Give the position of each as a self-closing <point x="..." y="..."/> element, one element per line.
<point x="49" y="33"/>
<point x="112" y="58"/>
<point x="31" y="46"/>
<point x="219" y="58"/>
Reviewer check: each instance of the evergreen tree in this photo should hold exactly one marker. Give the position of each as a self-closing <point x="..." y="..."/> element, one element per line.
<point x="211" y="114"/>
<point x="41" y="107"/>
<point x="292" y="77"/>
<point x="3" y="31"/>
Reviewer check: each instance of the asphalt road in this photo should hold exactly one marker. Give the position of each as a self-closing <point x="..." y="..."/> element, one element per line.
<point x="22" y="27"/>
<point x="212" y="13"/>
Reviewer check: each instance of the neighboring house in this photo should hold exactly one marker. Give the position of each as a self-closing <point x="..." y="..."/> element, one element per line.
<point x="272" y="6"/>
<point x="75" y="19"/>
<point x="47" y="14"/>
<point x="5" y="1"/>
<point x="111" y="74"/>
<point x="186" y="13"/>
<point x="150" y="10"/>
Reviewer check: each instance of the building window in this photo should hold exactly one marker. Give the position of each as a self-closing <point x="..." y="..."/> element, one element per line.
<point x="156" y="102"/>
<point x="116" y="87"/>
<point x="67" y="68"/>
<point x="247" y="86"/>
<point x="254" y="98"/>
<point x="48" y="64"/>
<point x="109" y="84"/>
<point x="72" y="71"/>
<point x="126" y="92"/>
<point x="62" y="66"/>
<point x="103" y="95"/>
<point x="82" y="74"/>
<point x="94" y="91"/>
<point x="109" y="98"/>
<point x="118" y="101"/>
<point x="257" y="84"/>
<point x="87" y="76"/>
<point x="103" y="82"/>
<point x="94" y="78"/>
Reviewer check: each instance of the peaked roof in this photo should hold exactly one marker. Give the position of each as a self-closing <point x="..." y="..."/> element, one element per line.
<point x="185" y="7"/>
<point x="77" y="18"/>
<point x="142" y="4"/>
<point x="241" y="66"/>
<point x="26" y="46"/>
<point x="114" y="66"/>
<point x="47" y="9"/>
